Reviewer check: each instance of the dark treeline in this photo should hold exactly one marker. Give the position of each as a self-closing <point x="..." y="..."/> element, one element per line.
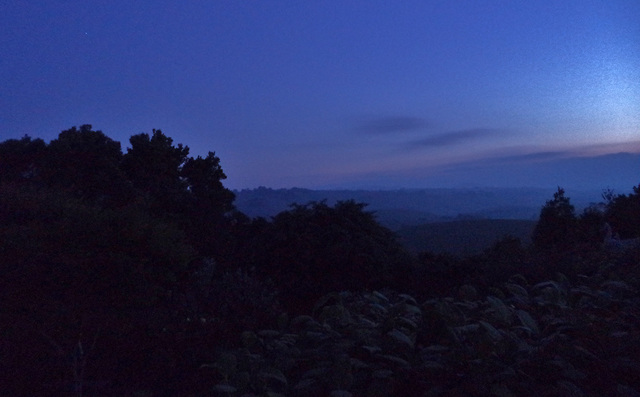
<point x="125" y="273"/>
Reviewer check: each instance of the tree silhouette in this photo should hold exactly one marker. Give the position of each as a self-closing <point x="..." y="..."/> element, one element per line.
<point x="153" y="165"/>
<point x="314" y="249"/>
<point x="206" y="203"/>
<point x="623" y="213"/>
<point x="204" y="177"/>
<point x="188" y="190"/>
<point x="556" y="226"/>
<point x="87" y="163"/>
<point x="21" y="160"/>
<point x="94" y="247"/>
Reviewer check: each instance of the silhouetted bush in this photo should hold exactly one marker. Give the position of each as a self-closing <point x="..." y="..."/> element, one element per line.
<point x="556" y="226"/>
<point x="242" y="301"/>
<point x="623" y="213"/>
<point x="438" y="275"/>
<point x="549" y="338"/>
<point x="313" y="249"/>
<point x="21" y="160"/>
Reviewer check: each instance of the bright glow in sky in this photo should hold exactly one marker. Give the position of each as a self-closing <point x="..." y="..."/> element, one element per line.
<point x="337" y="93"/>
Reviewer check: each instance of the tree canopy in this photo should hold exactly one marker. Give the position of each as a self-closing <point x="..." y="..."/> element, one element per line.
<point x="557" y="223"/>
<point x="95" y="246"/>
<point x="314" y="248"/>
<point x="21" y="160"/>
<point x="623" y="213"/>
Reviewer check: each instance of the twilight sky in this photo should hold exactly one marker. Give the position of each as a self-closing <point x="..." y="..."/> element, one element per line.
<point x="376" y="94"/>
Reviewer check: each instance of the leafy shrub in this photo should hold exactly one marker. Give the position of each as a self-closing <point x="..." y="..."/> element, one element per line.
<point x="623" y="213"/>
<point x="556" y="226"/>
<point x="549" y="338"/>
<point x="314" y="249"/>
<point x="241" y="301"/>
<point x="353" y="342"/>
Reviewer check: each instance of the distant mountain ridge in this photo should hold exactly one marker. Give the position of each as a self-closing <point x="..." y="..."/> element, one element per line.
<point x="411" y="207"/>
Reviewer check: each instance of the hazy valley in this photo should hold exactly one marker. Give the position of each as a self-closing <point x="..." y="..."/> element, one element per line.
<point x="454" y="221"/>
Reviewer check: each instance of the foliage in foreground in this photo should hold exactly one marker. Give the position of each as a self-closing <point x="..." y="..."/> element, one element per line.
<point x="552" y="338"/>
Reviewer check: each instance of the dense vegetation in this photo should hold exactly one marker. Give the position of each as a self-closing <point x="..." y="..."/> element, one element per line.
<point x="463" y="237"/>
<point x="133" y="274"/>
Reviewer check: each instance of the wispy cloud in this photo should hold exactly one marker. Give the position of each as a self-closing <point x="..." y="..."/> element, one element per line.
<point x="453" y="137"/>
<point x="513" y="155"/>
<point x="389" y="125"/>
<point x="540" y="156"/>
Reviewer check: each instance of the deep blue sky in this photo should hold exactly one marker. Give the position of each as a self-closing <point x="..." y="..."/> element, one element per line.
<point x="337" y="93"/>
